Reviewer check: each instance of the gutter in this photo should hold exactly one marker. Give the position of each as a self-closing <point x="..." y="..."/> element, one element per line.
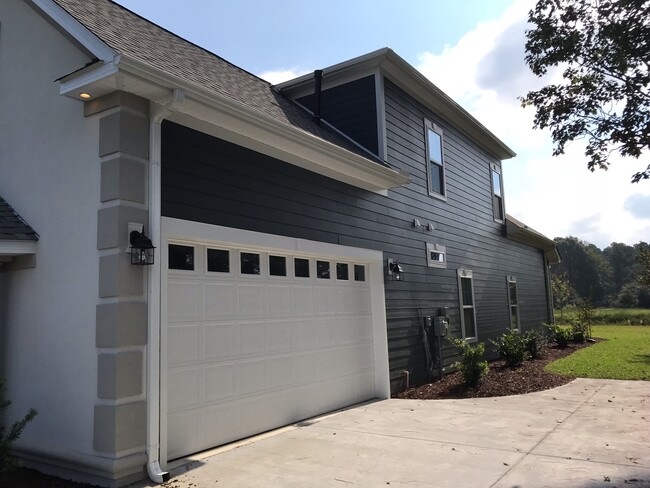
<point x="157" y="115"/>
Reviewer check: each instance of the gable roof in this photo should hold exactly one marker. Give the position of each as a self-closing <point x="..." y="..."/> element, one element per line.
<point x="517" y="231"/>
<point x="129" y="34"/>
<point x="12" y="226"/>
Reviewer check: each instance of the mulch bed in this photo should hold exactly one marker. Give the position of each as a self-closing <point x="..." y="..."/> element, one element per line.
<point x="501" y="380"/>
<point x="28" y="478"/>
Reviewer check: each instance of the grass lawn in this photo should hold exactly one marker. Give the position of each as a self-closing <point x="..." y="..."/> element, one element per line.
<point x="625" y="355"/>
<point x="608" y="316"/>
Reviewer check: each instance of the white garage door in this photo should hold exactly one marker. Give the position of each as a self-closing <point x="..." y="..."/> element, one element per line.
<point x="257" y="339"/>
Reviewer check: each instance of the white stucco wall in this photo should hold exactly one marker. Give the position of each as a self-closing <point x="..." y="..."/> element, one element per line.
<point x="50" y="173"/>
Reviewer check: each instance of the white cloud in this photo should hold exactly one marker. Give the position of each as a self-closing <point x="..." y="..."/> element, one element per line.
<point x="485" y="72"/>
<point x="278" y="76"/>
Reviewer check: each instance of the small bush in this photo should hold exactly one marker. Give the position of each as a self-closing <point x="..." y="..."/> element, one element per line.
<point x="579" y="332"/>
<point x="7" y="462"/>
<point x="560" y="335"/>
<point x="533" y="343"/>
<point x="471" y="364"/>
<point x="511" y="347"/>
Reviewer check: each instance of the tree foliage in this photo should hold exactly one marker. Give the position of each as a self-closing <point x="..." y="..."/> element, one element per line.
<point x="563" y="293"/>
<point x="602" y="46"/>
<point x="644" y="261"/>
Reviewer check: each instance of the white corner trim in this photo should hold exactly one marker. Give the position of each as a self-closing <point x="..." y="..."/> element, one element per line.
<point x="380" y="100"/>
<point x="17" y="248"/>
<point x="86" y="38"/>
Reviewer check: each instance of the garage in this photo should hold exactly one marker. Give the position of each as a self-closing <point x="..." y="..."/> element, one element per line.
<point x="262" y="331"/>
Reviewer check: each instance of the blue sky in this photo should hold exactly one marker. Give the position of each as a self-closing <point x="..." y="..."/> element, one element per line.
<point x="472" y="49"/>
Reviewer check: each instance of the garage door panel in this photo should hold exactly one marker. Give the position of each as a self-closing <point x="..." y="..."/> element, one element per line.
<point x="188" y="383"/>
<point x="220" y="382"/>
<point x="221" y="341"/>
<point x="184" y="345"/>
<point x="252" y="301"/>
<point x="251" y="352"/>
<point x="280" y="336"/>
<point x="280" y="301"/>
<point x="220" y="300"/>
<point x="184" y="301"/>
<point x="303" y="300"/>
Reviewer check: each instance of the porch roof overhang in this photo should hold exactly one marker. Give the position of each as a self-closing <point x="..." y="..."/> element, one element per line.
<point x="520" y="232"/>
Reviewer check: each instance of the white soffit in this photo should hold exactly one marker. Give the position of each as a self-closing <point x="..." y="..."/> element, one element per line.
<point x="17" y="248"/>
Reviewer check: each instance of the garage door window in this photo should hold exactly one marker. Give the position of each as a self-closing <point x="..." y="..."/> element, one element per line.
<point x="181" y="257"/>
<point x="277" y="266"/>
<point x="323" y="270"/>
<point x="342" y="271"/>
<point x="218" y="261"/>
<point x="301" y="267"/>
<point x="359" y="272"/>
<point x="250" y="263"/>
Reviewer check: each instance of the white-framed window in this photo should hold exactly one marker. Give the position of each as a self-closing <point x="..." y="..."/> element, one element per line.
<point x="180" y="257"/>
<point x="497" y="193"/>
<point x="467" y="308"/>
<point x="436" y="256"/>
<point x="435" y="160"/>
<point x="513" y="303"/>
<point x="217" y="260"/>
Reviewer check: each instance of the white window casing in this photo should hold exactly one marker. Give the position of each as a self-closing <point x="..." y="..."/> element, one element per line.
<point x="468" y="325"/>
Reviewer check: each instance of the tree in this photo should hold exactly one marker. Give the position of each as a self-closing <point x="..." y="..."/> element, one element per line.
<point x="563" y="293"/>
<point x="621" y="258"/>
<point x="643" y="258"/>
<point x="603" y="46"/>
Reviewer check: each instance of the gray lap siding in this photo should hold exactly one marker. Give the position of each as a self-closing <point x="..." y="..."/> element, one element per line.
<point x="209" y="180"/>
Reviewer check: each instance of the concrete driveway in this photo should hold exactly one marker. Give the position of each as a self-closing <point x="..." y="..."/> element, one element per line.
<point x="589" y="433"/>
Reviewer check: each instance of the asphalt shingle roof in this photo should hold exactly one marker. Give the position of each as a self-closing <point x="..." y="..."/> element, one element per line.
<point x="131" y="35"/>
<point x="12" y="227"/>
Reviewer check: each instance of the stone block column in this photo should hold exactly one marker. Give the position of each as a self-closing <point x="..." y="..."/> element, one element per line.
<point x="121" y="328"/>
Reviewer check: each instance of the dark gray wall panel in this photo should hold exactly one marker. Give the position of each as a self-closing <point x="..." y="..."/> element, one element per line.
<point x="351" y="108"/>
<point x="209" y="180"/>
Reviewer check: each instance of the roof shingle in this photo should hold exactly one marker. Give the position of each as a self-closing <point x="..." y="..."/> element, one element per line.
<point x="134" y="36"/>
<point x="12" y="226"/>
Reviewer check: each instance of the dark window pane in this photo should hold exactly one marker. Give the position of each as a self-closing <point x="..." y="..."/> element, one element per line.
<point x="250" y="263"/>
<point x="513" y="293"/>
<point x="323" y="269"/>
<point x="277" y="266"/>
<point x="359" y="272"/>
<point x="435" y="147"/>
<point x="437" y="257"/>
<point x="302" y="267"/>
<point x="341" y="271"/>
<point x="470" y="326"/>
<point x="437" y="179"/>
<point x="513" y="317"/>
<point x="498" y="207"/>
<point x="218" y="260"/>
<point x="467" y="291"/>
<point x="181" y="257"/>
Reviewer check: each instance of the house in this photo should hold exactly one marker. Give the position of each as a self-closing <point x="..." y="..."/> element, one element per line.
<point x="281" y="216"/>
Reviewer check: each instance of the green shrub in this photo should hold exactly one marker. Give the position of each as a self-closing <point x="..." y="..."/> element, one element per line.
<point x="7" y="437"/>
<point x="471" y="364"/>
<point x="560" y="335"/>
<point x="533" y="343"/>
<point x="511" y="347"/>
<point x="580" y="332"/>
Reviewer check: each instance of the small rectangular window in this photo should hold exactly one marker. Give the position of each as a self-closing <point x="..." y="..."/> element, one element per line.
<point x="359" y="272"/>
<point x="435" y="160"/>
<point x="513" y="303"/>
<point x="436" y="256"/>
<point x="497" y="194"/>
<point x="342" y="271"/>
<point x="467" y="307"/>
<point x="323" y="270"/>
<point x="250" y="263"/>
<point x="277" y="266"/>
<point x="181" y="257"/>
<point x="301" y="267"/>
<point x="218" y="260"/>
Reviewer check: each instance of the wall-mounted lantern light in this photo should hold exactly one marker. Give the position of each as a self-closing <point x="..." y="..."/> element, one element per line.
<point x="395" y="270"/>
<point x="142" y="250"/>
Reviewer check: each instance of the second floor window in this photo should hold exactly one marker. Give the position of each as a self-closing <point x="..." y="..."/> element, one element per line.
<point x="497" y="194"/>
<point x="435" y="162"/>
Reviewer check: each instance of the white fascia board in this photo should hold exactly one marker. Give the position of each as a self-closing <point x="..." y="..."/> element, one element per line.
<point x="17" y="248"/>
<point x="86" y="38"/>
<point x="310" y="152"/>
<point x="72" y="84"/>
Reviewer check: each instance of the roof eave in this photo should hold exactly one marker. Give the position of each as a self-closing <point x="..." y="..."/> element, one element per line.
<point x="519" y="232"/>
<point x="13" y="248"/>
<point x="254" y="128"/>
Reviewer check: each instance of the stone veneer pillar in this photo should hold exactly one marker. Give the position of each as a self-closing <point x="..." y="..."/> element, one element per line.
<point x="121" y="327"/>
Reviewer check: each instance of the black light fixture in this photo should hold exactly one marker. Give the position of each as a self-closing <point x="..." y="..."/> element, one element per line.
<point x="395" y="270"/>
<point x="142" y="250"/>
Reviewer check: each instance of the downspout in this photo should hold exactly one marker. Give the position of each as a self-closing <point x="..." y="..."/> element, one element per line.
<point x="158" y="114"/>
